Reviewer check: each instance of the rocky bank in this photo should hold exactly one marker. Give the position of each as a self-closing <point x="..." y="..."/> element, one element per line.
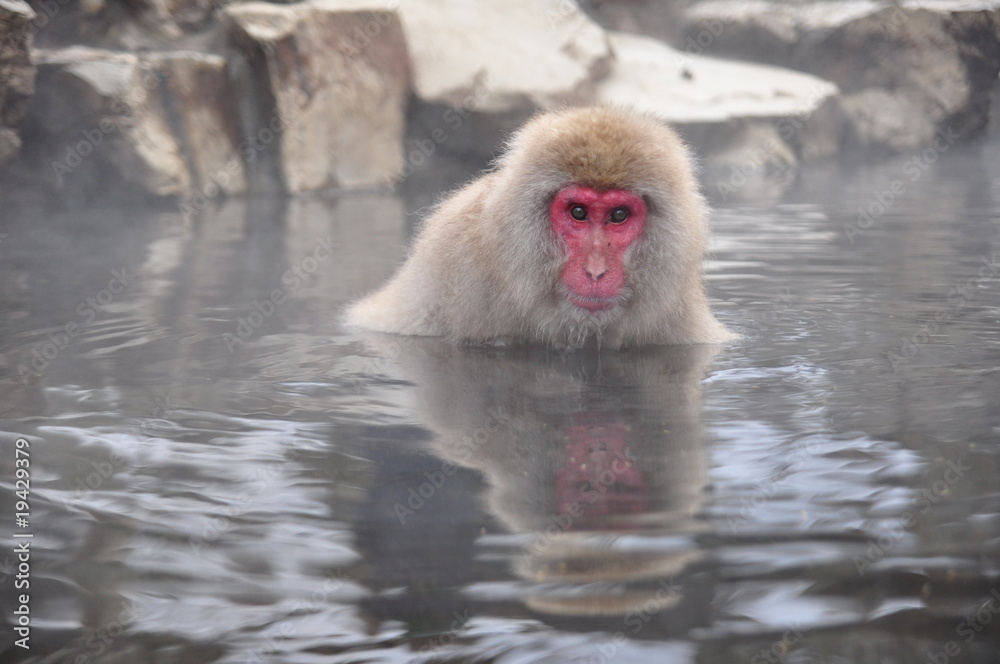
<point x="192" y="100"/>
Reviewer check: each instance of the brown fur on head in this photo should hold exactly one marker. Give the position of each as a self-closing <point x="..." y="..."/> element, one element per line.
<point x="601" y="148"/>
<point x="486" y="265"/>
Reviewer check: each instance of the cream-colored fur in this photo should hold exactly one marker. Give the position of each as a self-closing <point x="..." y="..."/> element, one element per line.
<point x="485" y="266"/>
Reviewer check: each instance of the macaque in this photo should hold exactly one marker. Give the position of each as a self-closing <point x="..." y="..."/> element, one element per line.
<point x="590" y="228"/>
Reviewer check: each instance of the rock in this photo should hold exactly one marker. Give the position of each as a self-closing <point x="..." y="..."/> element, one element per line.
<point x="880" y="117"/>
<point x="534" y="53"/>
<point x="480" y="69"/>
<point x="17" y="73"/>
<point x="735" y="113"/>
<point x="661" y="79"/>
<point x="653" y="18"/>
<point x="156" y="123"/>
<point x="189" y="14"/>
<point x="993" y="127"/>
<point x="907" y="72"/>
<point x="130" y="25"/>
<point x="197" y="101"/>
<point x="727" y="109"/>
<point x="110" y="24"/>
<point x="528" y="53"/>
<point x="322" y="92"/>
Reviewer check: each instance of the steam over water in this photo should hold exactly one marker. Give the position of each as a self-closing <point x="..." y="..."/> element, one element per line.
<point x="220" y="473"/>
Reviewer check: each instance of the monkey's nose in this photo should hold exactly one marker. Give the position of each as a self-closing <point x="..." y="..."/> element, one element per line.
<point x="595" y="269"/>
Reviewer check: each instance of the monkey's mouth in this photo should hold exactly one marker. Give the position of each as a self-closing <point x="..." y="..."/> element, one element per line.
<point x="592" y="303"/>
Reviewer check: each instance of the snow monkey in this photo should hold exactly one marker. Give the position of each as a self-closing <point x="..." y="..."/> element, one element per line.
<point x="590" y="228"/>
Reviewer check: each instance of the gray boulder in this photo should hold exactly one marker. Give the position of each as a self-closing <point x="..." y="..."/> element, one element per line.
<point x="908" y="72"/>
<point x="322" y="92"/>
<point x="509" y="54"/>
<point x="746" y="121"/>
<point x="158" y="123"/>
<point x="17" y="73"/>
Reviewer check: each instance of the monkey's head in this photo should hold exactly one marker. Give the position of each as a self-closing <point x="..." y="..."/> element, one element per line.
<point x="611" y="207"/>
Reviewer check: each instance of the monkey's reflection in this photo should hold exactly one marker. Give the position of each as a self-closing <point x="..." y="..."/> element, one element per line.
<point x="598" y="457"/>
<point x="600" y="478"/>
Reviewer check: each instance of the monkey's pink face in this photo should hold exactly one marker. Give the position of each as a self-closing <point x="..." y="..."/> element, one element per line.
<point x="597" y="227"/>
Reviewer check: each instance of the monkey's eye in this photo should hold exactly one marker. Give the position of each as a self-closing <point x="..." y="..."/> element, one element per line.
<point x="618" y="215"/>
<point x="578" y="212"/>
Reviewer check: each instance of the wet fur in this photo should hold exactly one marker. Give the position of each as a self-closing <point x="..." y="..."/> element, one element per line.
<point x="485" y="266"/>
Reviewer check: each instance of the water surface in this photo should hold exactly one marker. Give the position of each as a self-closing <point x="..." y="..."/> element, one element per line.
<point x="221" y="473"/>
